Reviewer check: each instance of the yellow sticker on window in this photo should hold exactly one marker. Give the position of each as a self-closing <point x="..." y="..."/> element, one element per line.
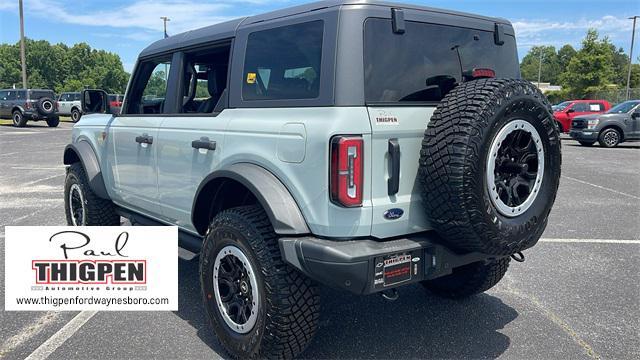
<point x="251" y="78"/>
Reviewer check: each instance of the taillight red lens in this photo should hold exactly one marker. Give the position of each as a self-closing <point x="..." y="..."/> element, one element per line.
<point x="27" y="105"/>
<point x="346" y="170"/>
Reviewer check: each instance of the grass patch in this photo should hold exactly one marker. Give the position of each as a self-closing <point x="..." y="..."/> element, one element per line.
<point x="10" y="122"/>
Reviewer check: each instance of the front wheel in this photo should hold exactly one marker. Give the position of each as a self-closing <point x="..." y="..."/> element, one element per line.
<point x="609" y="138"/>
<point x="18" y="119"/>
<point x="82" y="206"/>
<point x="259" y="306"/>
<point x="469" y="280"/>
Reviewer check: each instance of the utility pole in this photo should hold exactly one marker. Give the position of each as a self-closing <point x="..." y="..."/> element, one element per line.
<point x="633" y="36"/>
<point x="540" y="66"/>
<point x="164" y="21"/>
<point x="22" y="56"/>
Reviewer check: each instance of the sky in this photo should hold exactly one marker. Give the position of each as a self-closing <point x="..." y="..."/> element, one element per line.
<point x="127" y="27"/>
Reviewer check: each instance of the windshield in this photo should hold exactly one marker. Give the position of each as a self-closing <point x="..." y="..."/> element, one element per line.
<point x="561" y="106"/>
<point x="624" y="107"/>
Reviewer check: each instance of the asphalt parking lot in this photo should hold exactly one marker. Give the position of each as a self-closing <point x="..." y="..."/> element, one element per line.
<point x="576" y="296"/>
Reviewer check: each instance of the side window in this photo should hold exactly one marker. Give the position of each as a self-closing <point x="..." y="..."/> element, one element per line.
<point x="11" y="95"/>
<point x="21" y="95"/>
<point x="64" y="97"/>
<point x="581" y="107"/>
<point x="149" y="88"/>
<point x="205" y="78"/>
<point x="76" y="97"/>
<point x="283" y="63"/>
<point x="3" y="95"/>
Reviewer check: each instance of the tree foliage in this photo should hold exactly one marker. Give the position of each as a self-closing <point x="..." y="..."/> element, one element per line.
<point x="62" y="68"/>
<point x="596" y="67"/>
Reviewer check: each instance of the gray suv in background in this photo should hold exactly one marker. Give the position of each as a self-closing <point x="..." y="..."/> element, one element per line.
<point x="22" y="105"/>
<point x="69" y="105"/>
<point x="621" y="123"/>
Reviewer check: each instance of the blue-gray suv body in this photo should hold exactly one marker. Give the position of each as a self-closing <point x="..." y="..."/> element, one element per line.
<point x="362" y="145"/>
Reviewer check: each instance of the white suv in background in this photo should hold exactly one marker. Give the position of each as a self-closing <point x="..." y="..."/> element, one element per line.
<point x="69" y="105"/>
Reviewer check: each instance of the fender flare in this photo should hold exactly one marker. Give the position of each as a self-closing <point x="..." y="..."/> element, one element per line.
<point x="276" y="200"/>
<point x="84" y="152"/>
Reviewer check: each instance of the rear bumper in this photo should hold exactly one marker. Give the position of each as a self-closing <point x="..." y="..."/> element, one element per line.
<point x="35" y="115"/>
<point x="367" y="266"/>
<point x="584" y="135"/>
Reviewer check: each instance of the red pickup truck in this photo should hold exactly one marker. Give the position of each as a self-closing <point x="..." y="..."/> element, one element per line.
<point x="566" y="111"/>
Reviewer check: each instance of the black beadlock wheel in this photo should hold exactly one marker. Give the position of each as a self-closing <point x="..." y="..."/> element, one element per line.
<point x="82" y="206"/>
<point x="490" y="166"/>
<point x="259" y="306"/>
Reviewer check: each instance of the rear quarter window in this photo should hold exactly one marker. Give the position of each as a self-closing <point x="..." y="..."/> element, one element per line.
<point x="427" y="61"/>
<point x="284" y="62"/>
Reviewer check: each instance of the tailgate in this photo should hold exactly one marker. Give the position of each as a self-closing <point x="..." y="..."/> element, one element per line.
<point x="403" y="127"/>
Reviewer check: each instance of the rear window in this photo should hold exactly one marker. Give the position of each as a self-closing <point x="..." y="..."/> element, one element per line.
<point x="283" y="63"/>
<point x="35" y="95"/>
<point x="424" y="63"/>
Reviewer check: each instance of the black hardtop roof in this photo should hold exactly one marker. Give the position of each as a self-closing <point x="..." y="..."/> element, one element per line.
<point x="228" y="29"/>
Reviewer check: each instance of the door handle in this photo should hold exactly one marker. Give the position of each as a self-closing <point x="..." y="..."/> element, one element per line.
<point x="203" y="143"/>
<point x="393" y="183"/>
<point x="144" y="139"/>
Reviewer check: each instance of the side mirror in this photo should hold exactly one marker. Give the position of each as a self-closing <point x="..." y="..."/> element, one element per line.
<point x="570" y="111"/>
<point x="635" y="115"/>
<point x="95" y="102"/>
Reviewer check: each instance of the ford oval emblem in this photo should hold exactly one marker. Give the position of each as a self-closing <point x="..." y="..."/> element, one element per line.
<point x="393" y="214"/>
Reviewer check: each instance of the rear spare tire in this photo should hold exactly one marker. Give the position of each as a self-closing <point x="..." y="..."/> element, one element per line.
<point x="45" y="106"/>
<point x="490" y="166"/>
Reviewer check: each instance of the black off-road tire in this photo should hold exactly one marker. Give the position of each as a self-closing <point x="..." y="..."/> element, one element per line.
<point x="609" y="138"/>
<point x="96" y="211"/>
<point x="469" y="280"/>
<point x="75" y="115"/>
<point x="587" y="143"/>
<point x="290" y="303"/>
<point x="560" y="128"/>
<point x="53" y="121"/>
<point x="18" y="119"/>
<point x="453" y="165"/>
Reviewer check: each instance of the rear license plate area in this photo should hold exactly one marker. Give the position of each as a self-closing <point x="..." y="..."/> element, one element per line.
<point x="397" y="269"/>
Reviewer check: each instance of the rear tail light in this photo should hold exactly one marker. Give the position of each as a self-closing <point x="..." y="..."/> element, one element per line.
<point x="27" y="105"/>
<point x="483" y="73"/>
<point x="346" y="170"/>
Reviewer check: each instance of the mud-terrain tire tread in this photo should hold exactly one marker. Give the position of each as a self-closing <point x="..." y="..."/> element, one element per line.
<point x="53" y="121"/>
<point x="292" y="299"/>
<point x="451" y="159"/>
<point x="469" y="280"/>
<point x="100" y="212"/>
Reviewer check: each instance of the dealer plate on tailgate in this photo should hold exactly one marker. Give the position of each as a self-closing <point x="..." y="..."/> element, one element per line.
<point x="394" y="269"/>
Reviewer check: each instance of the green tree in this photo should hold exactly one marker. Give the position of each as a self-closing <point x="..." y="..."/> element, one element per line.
<point x="592" y="68"/>
<point x="550" y="64"/>
<point x="62" y="68"/>
<point x="565" y="54"/>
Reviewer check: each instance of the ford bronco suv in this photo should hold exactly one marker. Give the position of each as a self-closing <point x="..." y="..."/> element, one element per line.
<point x="22" y="105"/>
<point x="69" y="104"/>
<point x="361" y="145"/>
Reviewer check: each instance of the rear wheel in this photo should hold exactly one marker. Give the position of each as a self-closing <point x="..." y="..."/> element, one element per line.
<point x="75" y="115"/>
<point x="53" y="121"/>
<point x="259" y="306"/>
<point x="586" y="143"/>
<point x="469" y="280"/>
<point x="18" y="119"/>
<point x="609" y="138"/>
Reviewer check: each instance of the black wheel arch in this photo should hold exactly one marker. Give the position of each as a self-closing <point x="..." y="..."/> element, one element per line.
<point x="83" y="152"/>
<point x="246" y="184"/>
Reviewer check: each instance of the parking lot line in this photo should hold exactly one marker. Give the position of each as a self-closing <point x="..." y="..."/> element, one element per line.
<point x="48" y="347"/>
<point x="602" y="187"/>
<point x="28" y="332"/>
<point x="592" y="241"/>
